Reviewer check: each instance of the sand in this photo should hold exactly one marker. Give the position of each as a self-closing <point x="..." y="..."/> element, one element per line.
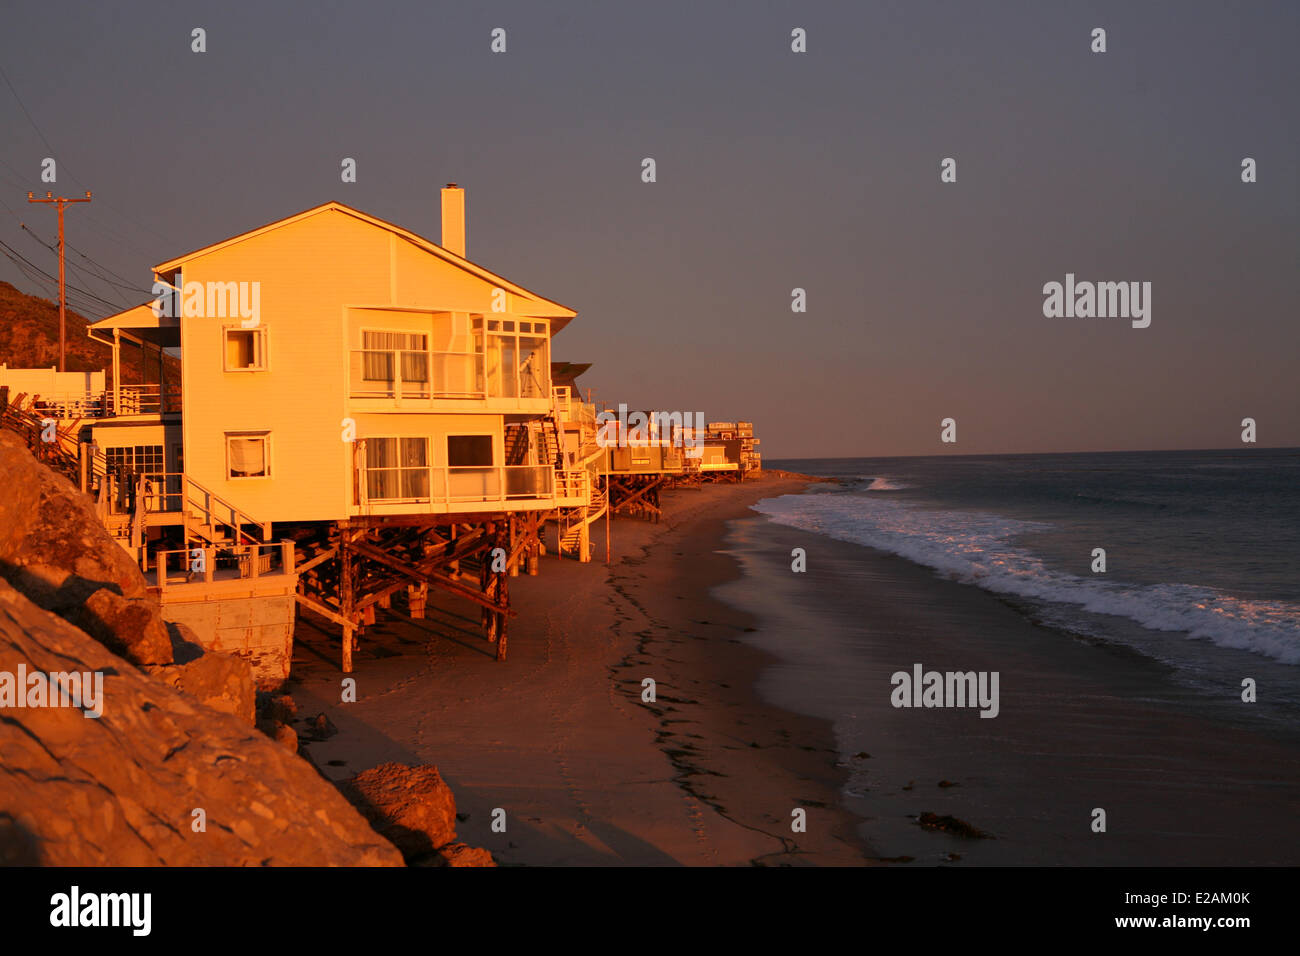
<point x="558" y="736"/>
<point x="1186" y="777"/>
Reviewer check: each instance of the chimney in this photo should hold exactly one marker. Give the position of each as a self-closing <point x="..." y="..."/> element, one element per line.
<point x="453" y="219"/>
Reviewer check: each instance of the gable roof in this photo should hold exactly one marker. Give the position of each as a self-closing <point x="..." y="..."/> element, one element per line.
<point x="427" y="245"/>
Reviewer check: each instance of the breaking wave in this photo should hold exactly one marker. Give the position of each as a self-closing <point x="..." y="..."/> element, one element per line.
<point x="976" y="548"/>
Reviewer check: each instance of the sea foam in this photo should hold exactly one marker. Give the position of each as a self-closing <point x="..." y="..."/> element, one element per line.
<point x="976" y="548"/>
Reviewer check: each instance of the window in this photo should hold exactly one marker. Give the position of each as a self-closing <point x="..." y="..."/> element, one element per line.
<point x="517" y="359"/>
<point x="134" y="460"/>
<point x="469" y="451"/>
<point x="248" y="454"/>
<point x="245" y="350"/>
<point x="397" y="468"/>
<point x="387" y="353"/>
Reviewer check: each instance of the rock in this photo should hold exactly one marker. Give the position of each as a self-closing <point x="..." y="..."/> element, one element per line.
<point x="121" y="790"/>
<point x="280" y="732"/>
<point x="286" y="737"/>
<point x="131" y="627"/>
<point x="18" y="846"/>
<point x="323" y="728"/>
<point x="411" y="806"/>
<point x="217" y="680"/>
<point x="54" y="550"/>
<point x="279" y="707"/>
<point x="460" y="854"/>
<point x="947" y="824"/>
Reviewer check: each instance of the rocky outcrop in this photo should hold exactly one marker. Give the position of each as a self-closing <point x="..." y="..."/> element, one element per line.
<point x="218" y="681"/>
<point x="461" y="854"/>
<point x="416" y="810"/>
<point x="131" y="627"/>
<point x="54" y="550"/>
<point x="158" y="778"/>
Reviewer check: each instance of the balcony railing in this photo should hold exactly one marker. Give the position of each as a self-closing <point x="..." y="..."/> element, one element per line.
<point x="396" y="373"/>
<point x="570" y="408"/>
<point x="225" y="563"/>
<point x="573" y="483"/>
<point x="462" y="484"/>
<point x="135" y="400"/>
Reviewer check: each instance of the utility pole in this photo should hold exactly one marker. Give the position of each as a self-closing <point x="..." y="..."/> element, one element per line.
<point x="59" y="203"/>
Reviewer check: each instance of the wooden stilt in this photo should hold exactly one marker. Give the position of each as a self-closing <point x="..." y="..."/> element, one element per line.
<point x="346" y="595"/>
<point x="416" y="597"/>
<point x="502" y="597"/>
<point x="512" y="565"/>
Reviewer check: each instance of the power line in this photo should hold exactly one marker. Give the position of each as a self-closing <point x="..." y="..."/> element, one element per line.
<point x="76" y="289"/>
<point x="82" y="269"/>
<point x="52" y="151"/>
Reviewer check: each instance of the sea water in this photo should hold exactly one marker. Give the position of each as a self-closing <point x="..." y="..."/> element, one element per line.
<point x="1202" y="549"/>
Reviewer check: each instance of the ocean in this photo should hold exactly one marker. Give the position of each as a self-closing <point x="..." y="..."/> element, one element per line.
<point x="1202" y="548"/>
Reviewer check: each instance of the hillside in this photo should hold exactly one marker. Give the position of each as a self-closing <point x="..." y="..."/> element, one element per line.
<point x="29" y="338"/>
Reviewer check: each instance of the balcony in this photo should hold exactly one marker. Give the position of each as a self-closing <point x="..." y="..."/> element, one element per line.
<point x="133" y="400"/>
<point x="399" y="373"/>
<point x="426" y="488"/>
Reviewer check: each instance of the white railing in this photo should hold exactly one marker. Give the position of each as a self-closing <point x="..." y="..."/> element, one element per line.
<point x="399" y="373"/>
<point x="570" y="408"/>
<point x="134" y="400"/>
<point x="147" y="399"/>
<point x="464" y="484"/>
<point x="575" y="483"/>
<point x="177" y="492"/>
<point x="226" y="563"/>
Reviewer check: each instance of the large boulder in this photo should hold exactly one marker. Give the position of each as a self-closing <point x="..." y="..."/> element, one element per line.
<point x="131" y="627"/>
<point x="54" y="549"/>
<point x="216" y="680"/>
<point x="130" y="787"/>
<point x="461" y="854"/>
<point x="411" y="806"/>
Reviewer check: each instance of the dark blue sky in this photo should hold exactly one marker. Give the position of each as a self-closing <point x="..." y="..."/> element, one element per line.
<point x="775" y="171"/>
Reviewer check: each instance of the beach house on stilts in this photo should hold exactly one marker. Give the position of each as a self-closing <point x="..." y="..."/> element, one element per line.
<point x="359" y="414"/>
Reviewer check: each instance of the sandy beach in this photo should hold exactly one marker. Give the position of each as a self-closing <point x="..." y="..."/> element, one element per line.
<point x="1186" y="777"/>
<point x="558" y="735"/>
<point x="773" y="695"/>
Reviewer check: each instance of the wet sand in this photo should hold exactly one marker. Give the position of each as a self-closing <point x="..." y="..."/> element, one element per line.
<point x="558" y="735"/>
<point x="1185" y="777"/>
<point x="773" y="695"/>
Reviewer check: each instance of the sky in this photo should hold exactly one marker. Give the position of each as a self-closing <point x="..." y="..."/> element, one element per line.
<point x="775" y="171"/>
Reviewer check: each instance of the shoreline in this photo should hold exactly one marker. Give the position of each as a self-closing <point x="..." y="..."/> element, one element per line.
<point x="558" y="735"/>
<point x="773" y="694"/>
<point x="1083" y="724"/>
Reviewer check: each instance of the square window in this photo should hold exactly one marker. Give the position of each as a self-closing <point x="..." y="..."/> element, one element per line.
<point x="397" y="468"/>
<point x="248" y="454"/>
<point x="469" y="451"/>
<point x="245" y="350"/>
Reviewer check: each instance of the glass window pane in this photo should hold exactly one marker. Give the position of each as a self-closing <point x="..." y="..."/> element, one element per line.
<point x="469" y="450"/>
<point x="247" y="457"/>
